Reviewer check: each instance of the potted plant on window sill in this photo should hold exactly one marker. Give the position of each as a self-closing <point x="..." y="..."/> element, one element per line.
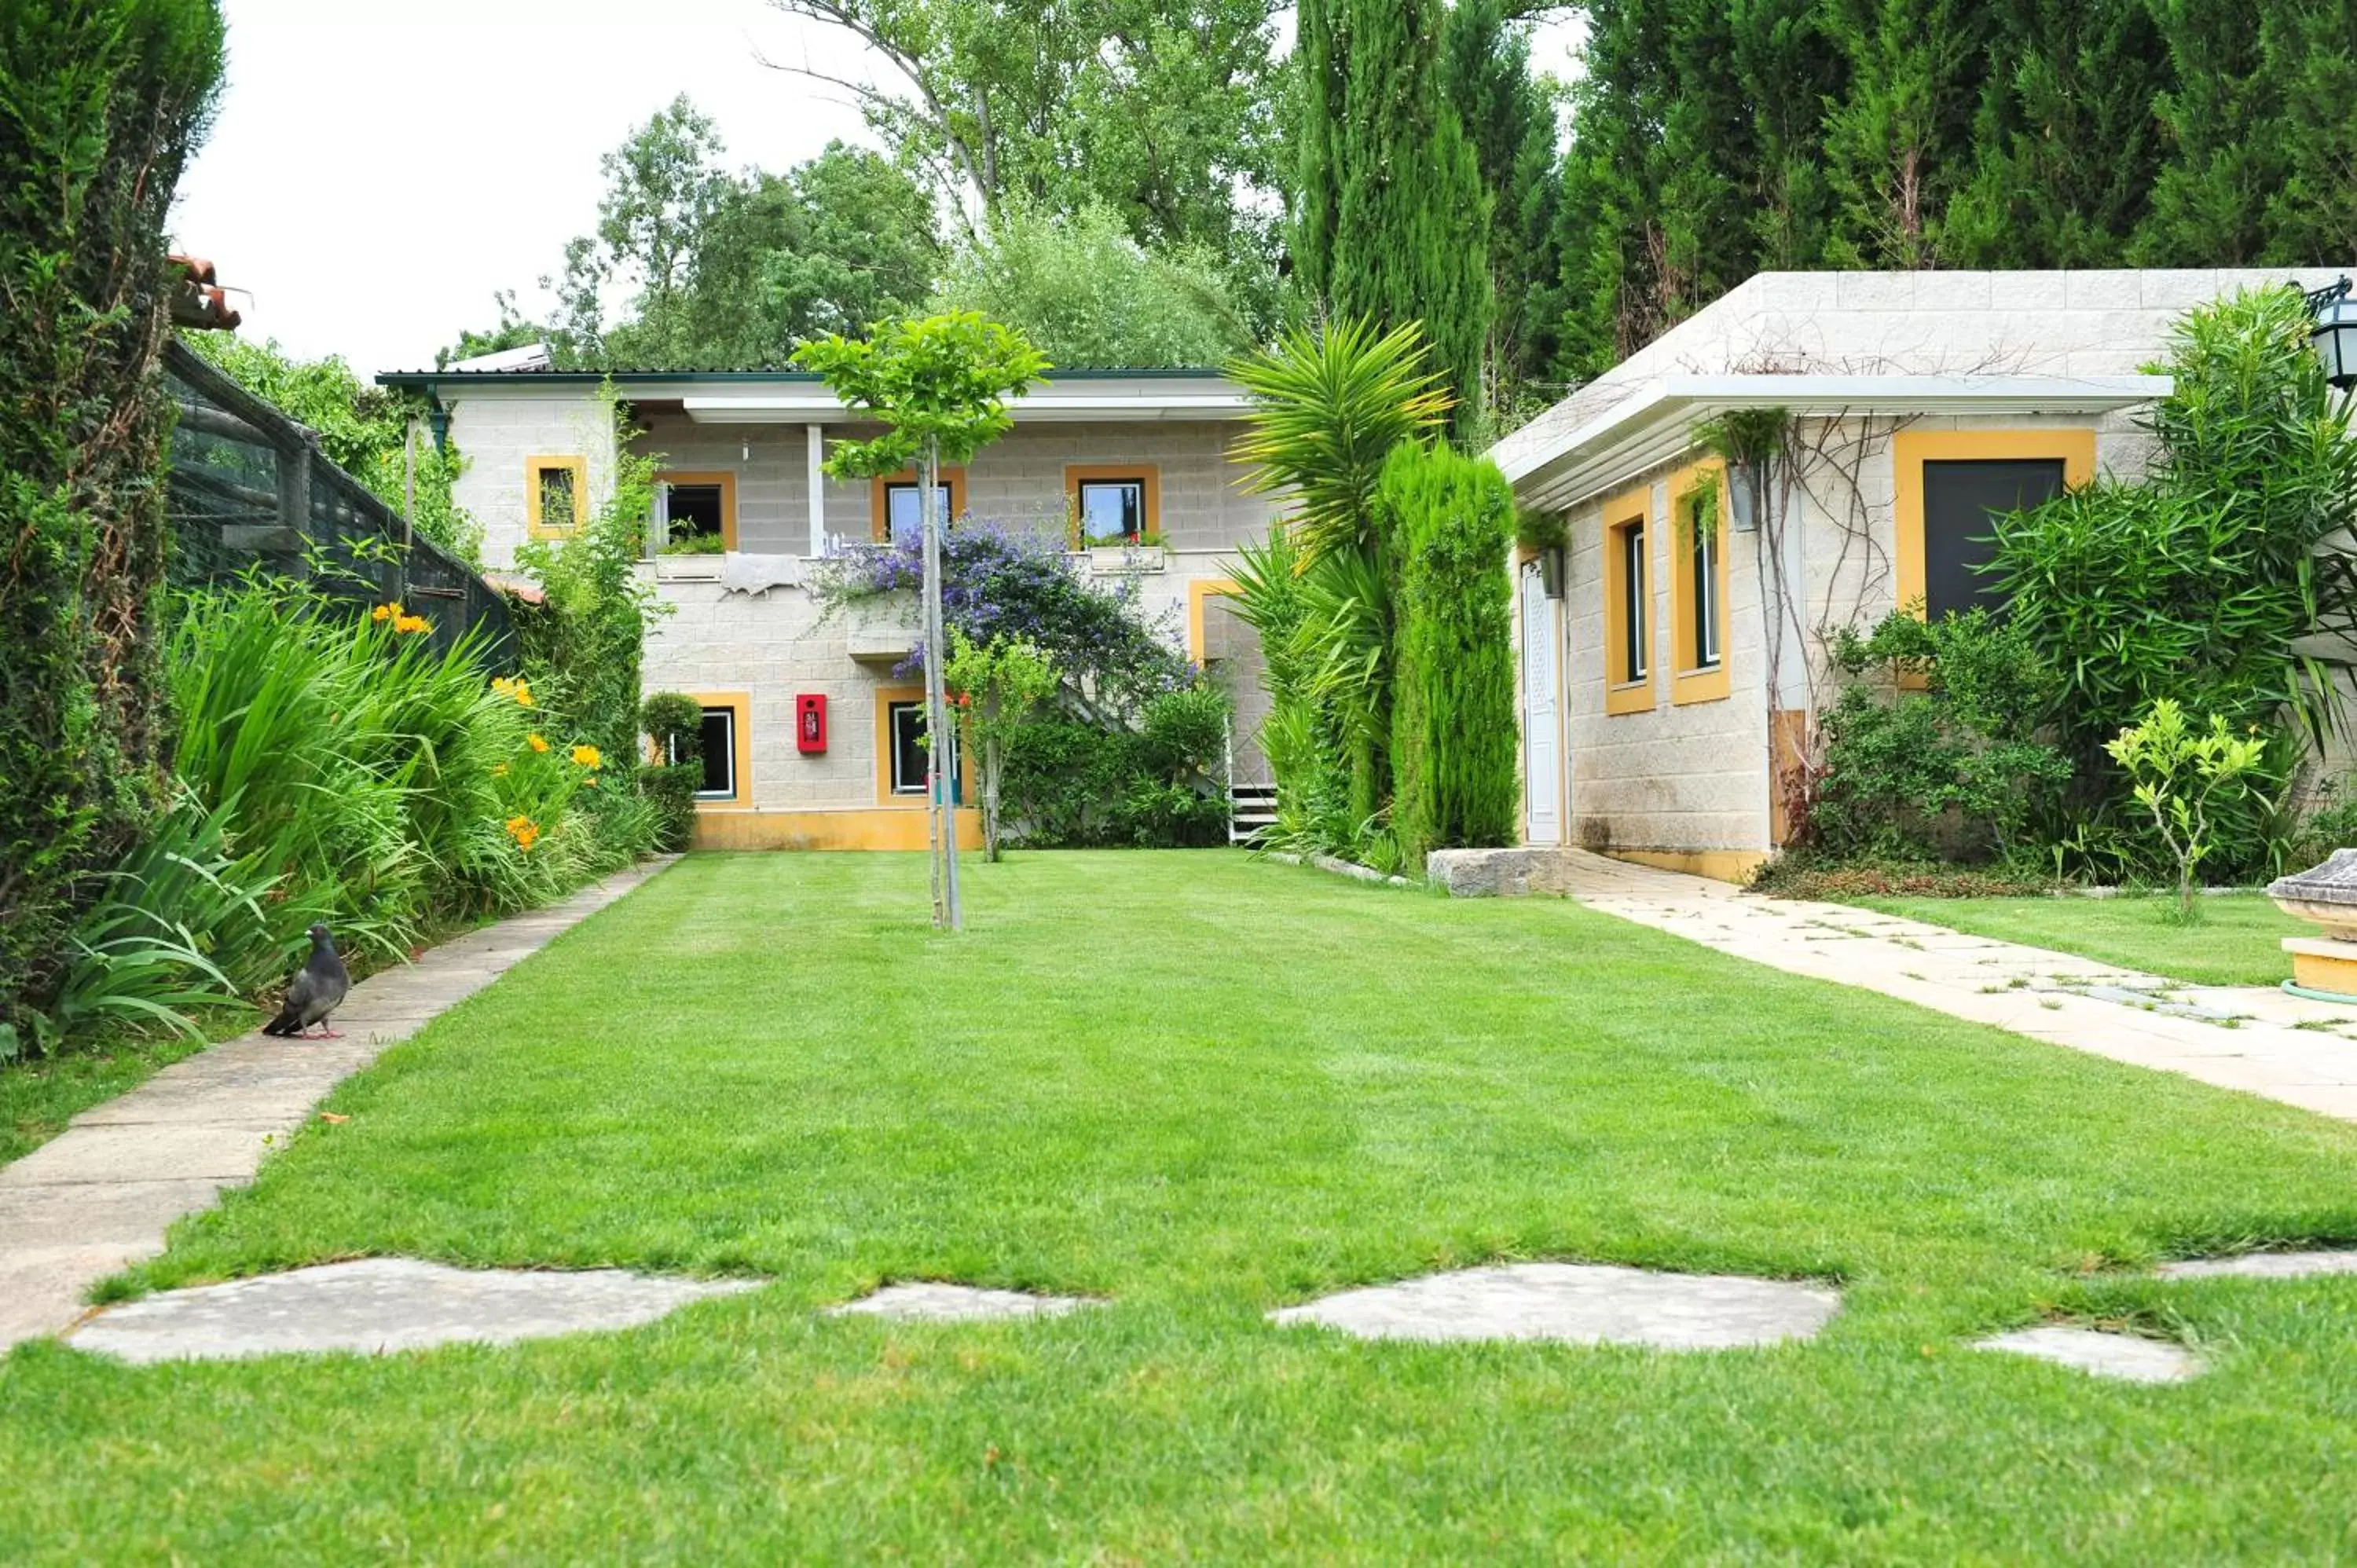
<point x="694" y="559"/>
<point x="1138" y="553"/>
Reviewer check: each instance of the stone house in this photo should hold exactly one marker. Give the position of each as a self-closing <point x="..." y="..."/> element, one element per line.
<point x="1672" y="658"/>
<point x="1131" y="467"/>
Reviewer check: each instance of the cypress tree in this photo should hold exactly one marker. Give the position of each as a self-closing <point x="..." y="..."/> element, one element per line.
<point x="1391" y="222"/>
<point x="2222" y="115"/>
<point x="1899" y="144"/>
<point x="1486" y="69"/>
<point x="105" y="100"/>
<point x="2068" y="145"/>
<point x="1454" y="748"/>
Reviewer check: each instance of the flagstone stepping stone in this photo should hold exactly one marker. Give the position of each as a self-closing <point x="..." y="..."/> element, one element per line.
<point x="377" y="1304"/>
<point x="2127" y="1356"/>
<point x="1578" y="1304"/>
<point x="930" y="1301"/>
<point x="2262" y="1266"/>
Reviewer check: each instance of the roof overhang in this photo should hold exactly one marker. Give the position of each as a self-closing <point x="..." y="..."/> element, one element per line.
<point x="1662" y="420"/>
<point x="773" y="398"/>
<point x="1212" y="398"/>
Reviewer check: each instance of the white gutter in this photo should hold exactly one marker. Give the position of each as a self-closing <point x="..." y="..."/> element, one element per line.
<point x="1657" y="421"/>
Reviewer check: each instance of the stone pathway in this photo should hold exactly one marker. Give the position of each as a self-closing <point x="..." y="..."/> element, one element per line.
<point x="2127" y="1357"/>
<point x="932" y="1301"/>
<point x="375" y="1305"/>
<point x="2257" y="1039"/>
<point x="1578" y="1304"/>
<point x="98" y="1197"/>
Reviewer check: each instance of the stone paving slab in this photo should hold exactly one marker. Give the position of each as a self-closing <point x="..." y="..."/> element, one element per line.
<point x="2125" y="1357"/>
<point x="100" y="1196"/>
<point x="2256" y="1040"/>
<point x="2262" y="1266"/>
<point x="1578" y="1304"/>
<point x="376" y="1305"/>
<point x="933" y="1301"/>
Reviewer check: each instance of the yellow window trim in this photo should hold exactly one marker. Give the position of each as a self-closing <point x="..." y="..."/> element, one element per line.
<point x="1689" y="683"/>
<point x="578" y="467"/>
<point x="880" y="516"/>
<point x="726" y="480"/>
<point x="886" y="696"/>
<point x="1633" y="508"/>
<point x="1911" y="449"/>
<point x="1198" y="593"/>
<point x="743" y="704"/>
<point x="1145" y="474"/>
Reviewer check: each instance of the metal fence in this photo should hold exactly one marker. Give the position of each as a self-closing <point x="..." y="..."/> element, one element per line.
<point x="251" y="491"/>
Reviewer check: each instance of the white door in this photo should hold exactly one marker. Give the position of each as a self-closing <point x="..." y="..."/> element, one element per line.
<point x="1541" y="726"/>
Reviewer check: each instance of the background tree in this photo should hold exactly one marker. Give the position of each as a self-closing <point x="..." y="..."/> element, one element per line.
<point x="995" y="687"/>
<point x="1509" y="115"/>
<point x="1391" y="221"/>
<point x="1162" y="111"/>
<point x="105" y="100"/>
<point x="729" y="270"/>
<point x="1086" y="293"/>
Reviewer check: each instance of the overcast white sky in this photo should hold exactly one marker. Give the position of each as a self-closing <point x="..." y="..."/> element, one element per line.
<point x="379" y="168"/>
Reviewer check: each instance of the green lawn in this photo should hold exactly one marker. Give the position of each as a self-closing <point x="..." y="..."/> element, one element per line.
<point x="37" y="1098"/>
<point x="2238" y="940"/>
<point x="1205" y="1087"/>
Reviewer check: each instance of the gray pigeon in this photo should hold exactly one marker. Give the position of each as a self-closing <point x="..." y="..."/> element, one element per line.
<point x="317" y="990"/>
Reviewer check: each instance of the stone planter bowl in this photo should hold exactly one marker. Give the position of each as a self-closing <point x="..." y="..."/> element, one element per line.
<point x="2325" y="895"/>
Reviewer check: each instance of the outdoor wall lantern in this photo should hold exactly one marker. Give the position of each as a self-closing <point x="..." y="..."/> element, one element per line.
<point x="2335" y="333"/>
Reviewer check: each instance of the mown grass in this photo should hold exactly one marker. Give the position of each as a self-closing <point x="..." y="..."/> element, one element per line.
<point x="2237" y="940"/>
<point x="1203" y="1087"/>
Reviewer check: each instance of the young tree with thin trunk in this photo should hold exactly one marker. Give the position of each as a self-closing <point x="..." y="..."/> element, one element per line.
<point x="939" y="384"/>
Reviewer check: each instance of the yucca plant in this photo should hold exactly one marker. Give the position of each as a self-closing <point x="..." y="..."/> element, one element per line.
<point x="1329" y="406"/>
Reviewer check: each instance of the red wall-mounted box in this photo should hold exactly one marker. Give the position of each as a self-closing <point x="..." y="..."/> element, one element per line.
<point x="809" y="723"/>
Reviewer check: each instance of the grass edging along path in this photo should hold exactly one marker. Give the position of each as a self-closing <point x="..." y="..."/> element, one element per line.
<point x="1202" y="1087"/>
<point x="2237" y="940"/>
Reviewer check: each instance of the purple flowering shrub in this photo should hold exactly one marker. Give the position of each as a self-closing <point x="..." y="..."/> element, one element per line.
<point x="999" y="581"/>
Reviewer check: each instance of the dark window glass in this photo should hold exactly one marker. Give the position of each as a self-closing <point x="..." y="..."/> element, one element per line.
<point x="719" y="753"/>
<point x="1704" y="531"/>
<point x="695" y="513"/>
<point x="1634" y="605"/>
<point x="908" y="720"/>
<point x="902" y="516"/>
<point x="1959" y="501"/>
<point x="1113" y="511"/>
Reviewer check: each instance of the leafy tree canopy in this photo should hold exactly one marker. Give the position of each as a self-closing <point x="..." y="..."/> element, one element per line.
<point x="1087" y="293"/>
<point x="727" y="270"/>
<point x="1162" y="111"/>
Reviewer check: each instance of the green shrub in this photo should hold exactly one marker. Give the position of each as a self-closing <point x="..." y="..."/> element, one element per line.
<point x="1073" y="784"/>
<point x="1455" y="744"/>
<point x="1952" y="772"/>
<point x="673" y="725"/>
<point x="104" y="100"/>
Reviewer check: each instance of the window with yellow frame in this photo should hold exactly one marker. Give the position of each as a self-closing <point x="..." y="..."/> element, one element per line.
<point x="1698" y="577"/>
<point x="1947" y="485"/>
<point x="1114" y="503"/>
<point x="1629" y="603"/>
<point x="897" y="498"/>
<point x="555" y="493"/>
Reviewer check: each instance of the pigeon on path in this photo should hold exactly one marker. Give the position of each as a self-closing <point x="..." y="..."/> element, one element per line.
<point x="317" y="990"/>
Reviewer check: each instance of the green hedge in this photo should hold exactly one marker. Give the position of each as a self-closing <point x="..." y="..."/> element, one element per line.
<point x="1450" y="520"/>
<point x="105" y="101"/>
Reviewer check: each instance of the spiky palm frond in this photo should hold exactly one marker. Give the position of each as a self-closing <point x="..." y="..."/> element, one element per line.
<point x="1330" y="406"/>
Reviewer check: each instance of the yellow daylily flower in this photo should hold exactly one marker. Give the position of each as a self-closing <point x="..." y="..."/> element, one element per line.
<point x="537" y="742"/>
<point x="589" y="757"/>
